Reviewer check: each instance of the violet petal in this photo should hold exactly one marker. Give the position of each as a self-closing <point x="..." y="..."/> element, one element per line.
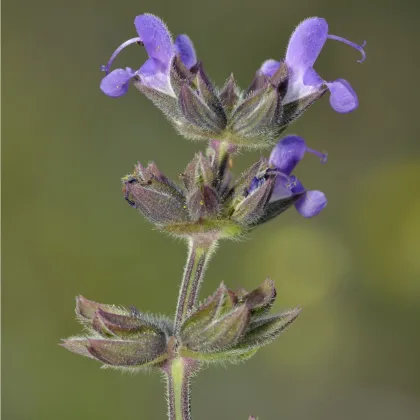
<point x="312" y="78"/>
<point x="156" y="38"/>
<point x="269" y="67"/>
<point x="115" y="84"/>
<point x="153" y="77"/>
<point x="311" y="203"/>
<point x="287" y="154"/>
<point x="306" y="43"/>
<point x="281" y="188"/>
<point x="296" y="186"/>
<point x="185" y="48"/>
<point x="343" y="98"/>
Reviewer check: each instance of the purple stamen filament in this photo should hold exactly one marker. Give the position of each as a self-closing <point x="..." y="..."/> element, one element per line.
<point x="322" y="156"/>
<point x="352" y="44"/>
<point x="136" y="40"/>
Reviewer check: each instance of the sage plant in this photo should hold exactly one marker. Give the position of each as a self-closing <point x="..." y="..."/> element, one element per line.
<point x="209" y="204"/>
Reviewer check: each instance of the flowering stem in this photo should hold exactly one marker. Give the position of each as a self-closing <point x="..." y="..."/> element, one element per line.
<point x="199" y="254"/>
<point x="178" y="375"/>
<point x="179" y="370"/>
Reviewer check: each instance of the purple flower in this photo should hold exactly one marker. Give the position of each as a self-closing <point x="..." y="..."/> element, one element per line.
<point x="304" y="47"/>
<point x="178" y="85"/>
<point x="155" y="72"/>
<point x="283" y="159"/>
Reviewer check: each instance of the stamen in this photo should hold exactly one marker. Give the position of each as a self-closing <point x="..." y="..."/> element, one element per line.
<point x="352" y="44"/>
<point x="136" y="40"/>
<point x="322" y="156"/>
<point x="291" y="182"/>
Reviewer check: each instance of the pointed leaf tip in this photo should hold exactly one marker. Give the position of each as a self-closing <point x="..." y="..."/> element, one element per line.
<point x="77" y="345"/>
<point x="264" y="330"/>
<point x="229" y="94"/>
<point x="86" y="308"/>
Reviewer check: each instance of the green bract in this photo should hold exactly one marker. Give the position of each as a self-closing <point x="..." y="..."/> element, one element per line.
<point x="227" y="327"/>
<point x="230" y="327"/>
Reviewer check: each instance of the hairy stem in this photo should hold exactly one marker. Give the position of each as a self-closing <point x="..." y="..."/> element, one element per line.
<point x="179" y="370"/>
<point x="199" y="254"/>
<point x="178" y="375"/>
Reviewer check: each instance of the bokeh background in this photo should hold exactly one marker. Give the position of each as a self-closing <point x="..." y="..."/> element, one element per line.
<point x="355" y="269"/>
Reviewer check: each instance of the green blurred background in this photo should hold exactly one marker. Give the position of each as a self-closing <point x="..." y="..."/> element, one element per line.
<point x="355" y="351"/>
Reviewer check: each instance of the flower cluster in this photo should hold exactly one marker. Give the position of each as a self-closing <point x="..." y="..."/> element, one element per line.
<point x="210" y="203"/>
<point x="227" y="327"/>
<point x="280" y="92"/>
<point x="120" y="337"/>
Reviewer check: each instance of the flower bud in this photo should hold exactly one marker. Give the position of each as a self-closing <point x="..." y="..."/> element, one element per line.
<point x="120" y="337"/>
<point x="203" y="203"/>
<point x="108" y="323"/>
<point x="232" y="326"/>
<point x="255" y="121"/>
<point x="157" y="198"/>
<point x="206" y="91"/>
<point x="145" y="351"/>
<point x="199" y="172"/>
<point x="261" y="299"/>
<point x="221" y="302"/>
<point x="252" y="206"/>
<point x="86" y="309"/>
<point x="201" y="117"/>
<point x="221" y="334"/>
<point x="229" y="95"/>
